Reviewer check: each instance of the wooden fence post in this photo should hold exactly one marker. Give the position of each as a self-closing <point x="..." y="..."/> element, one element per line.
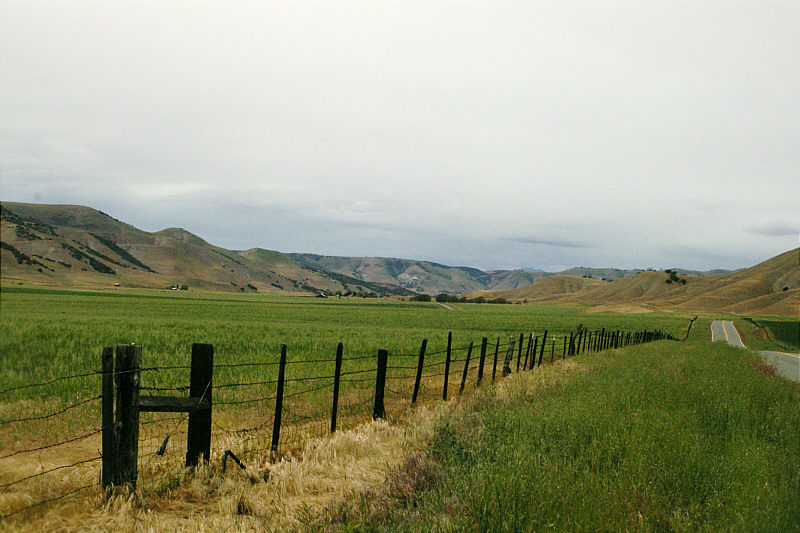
<point x="128" y="375"/>
<point x="378" y="410"/>
<point x="544" y="341"/>
<point x="533" y="354"/>
<point x="519" y="351"/>
<point x="337" y="375"/>
<point x="276" y="422"/>
<point x="564" y="353"/>
<point x="494" y="365"/>
<point x="109" y="438"/>
<point x="509" y="356"/>
<point x="527" y="352"/>
<point x="447" y="364"/>
<point x="420" y="363"/>
<point x="466" y="369"/>
<point x="484" y="340"/>
<point x="198" y="439"/>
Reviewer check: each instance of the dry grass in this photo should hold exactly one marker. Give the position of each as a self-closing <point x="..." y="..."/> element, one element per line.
<point x="322" y="473"/>
<point x="266" y="496"/>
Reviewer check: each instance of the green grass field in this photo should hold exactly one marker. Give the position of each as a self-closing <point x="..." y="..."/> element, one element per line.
<point x="660" y="437"/>
<point x="48" y="333"/>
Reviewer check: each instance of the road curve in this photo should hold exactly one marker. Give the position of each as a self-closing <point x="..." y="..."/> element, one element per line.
<point x="786" y="364"/>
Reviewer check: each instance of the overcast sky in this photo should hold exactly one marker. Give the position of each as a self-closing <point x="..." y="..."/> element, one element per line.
<point x="490" y="134"/>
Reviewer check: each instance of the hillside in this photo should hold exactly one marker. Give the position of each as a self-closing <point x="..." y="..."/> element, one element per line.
<point x="768" y="288"/>
<point x="76" y="246"/>
<point x="419" y="276"/>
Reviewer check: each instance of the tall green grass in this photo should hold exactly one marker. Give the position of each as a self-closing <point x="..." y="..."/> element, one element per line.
<point x="46" y="333"/>
<point x="660" y="437"/>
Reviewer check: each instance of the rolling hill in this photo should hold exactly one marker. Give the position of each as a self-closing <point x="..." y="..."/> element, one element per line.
<point x="768" y="288"/>
<point x="418" y="276"/>
<point x="76" y="246"/>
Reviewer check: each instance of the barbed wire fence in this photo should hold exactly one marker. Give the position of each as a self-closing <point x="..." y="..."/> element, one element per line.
<point x="144" y="428"/>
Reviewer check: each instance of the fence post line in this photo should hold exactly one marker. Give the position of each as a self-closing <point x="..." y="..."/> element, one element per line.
<point x="109" y="438"/>
<point x="484" y="340"/>
<point x="337" y="375"/>
<point x="564" y="352"/>
<point x="466" y="369"/>
<point x="602" y="340"/>
<point x="571" y="350"/>
<point x="420" y="363"/>
<point x="509" y="356"/>
<point x="544" y="341"/>
<point x="447" y="364"/>
<point x="534" y="352"/>
<point x="198" y="437"/>
<point x="378" y="410"/>
<point x="553" y="350"/>
<point x="496" y="351"/>
<point x="128" y="373"/>
<point x="276" y="423"/>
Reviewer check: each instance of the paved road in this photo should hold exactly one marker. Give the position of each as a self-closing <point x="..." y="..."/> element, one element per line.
<point x="786" y="364"/>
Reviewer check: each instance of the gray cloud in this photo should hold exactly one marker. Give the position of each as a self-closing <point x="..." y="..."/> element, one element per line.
<point x="359" y="128"/>
<point x="775" y="230"/>
<point x="548" y="242"/>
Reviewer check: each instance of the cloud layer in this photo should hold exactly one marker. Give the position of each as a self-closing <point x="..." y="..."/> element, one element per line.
<point x="492" y="134"/>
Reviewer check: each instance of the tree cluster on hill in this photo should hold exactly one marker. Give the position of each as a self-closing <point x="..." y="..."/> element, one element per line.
<point x="673" y="277"/>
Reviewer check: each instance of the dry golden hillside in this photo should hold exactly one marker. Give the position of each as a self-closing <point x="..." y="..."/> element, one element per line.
<point x="768" y="288"/>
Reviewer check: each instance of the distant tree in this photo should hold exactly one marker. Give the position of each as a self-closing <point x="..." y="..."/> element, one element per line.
<point x="186" y="288"/>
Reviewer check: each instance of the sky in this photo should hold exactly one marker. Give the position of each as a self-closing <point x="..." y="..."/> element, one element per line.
<point x="493" y="134"/>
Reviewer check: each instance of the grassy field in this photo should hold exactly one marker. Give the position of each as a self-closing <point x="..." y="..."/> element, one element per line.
<point x="46" y="334"/>
<point x="49" y="333"/>
<point x="663" y="437"/>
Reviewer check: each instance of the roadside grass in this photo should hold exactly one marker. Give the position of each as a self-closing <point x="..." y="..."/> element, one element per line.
<point x="786" y="332"/>
<point x="661" y="437"/>
<point x="770" y="334"/>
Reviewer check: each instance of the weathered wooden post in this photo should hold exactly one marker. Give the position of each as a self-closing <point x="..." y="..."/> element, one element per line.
<point x="519" y="351"/>
<point x="337" y="376"/>
<point x="378" y="410"/>
<point x="484" y="340"/>
<point x="466" y="369"/>
<point x="198" y="439"/>
<point x="544" y="341"/>
<point x="447" y="364"/>
<point x="533" y="354"/>
<point x="128" y="375"/>
<point x="509" y="356"/>
<point x="276" y="423"/>
<point x="420" y="363"/>
<point x="109" y="437"/>
<point x="494" y="365"/>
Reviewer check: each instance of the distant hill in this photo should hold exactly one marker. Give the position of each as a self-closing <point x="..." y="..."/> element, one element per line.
<point x="418" y="276"/>
<point x="769" y="288"/>
<point x="76" y="246"/>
